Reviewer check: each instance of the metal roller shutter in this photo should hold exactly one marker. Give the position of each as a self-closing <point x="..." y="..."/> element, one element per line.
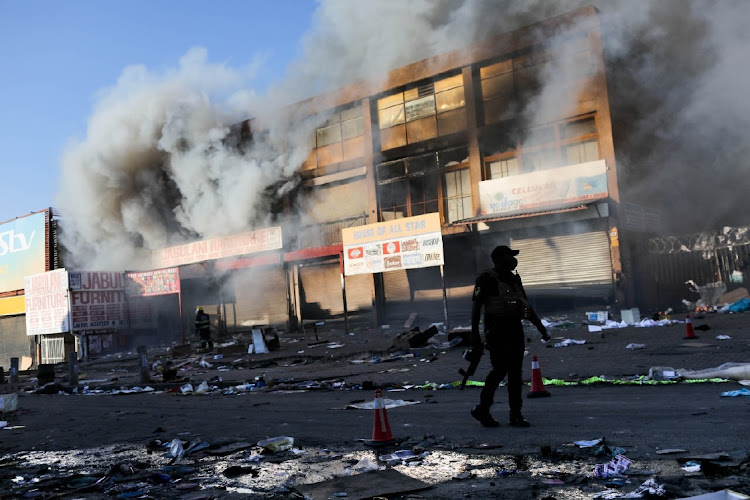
<point x="260" y="295"/>
<point x="323" y="298"/>
<point x="577" y="264"/>
<point x="14" y="343"/>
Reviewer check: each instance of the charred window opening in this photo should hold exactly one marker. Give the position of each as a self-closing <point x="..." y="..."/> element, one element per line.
<point x="550" y="146"/>
<point x="338" y="139"/>
<point x="425" y="111"/>
<point x="435" y="182"/>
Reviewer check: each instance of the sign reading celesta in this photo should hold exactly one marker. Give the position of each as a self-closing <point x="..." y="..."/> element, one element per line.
<point x="405" y="243"/>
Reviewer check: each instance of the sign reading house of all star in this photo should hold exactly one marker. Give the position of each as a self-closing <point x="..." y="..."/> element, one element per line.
<point x="405" y="243"/>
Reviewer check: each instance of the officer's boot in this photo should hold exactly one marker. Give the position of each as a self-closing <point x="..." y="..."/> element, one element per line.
<point x="482" y="414"/>
<point x="517" y="420"/>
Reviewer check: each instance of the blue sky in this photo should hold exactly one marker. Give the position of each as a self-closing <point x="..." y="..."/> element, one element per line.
<point x="57" y="56"/>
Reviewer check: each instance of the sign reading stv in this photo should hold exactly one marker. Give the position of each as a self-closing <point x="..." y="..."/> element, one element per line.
<point x="406" y="243"/>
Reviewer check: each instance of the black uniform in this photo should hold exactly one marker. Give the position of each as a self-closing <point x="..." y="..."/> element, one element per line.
<point x="499" y="293"/>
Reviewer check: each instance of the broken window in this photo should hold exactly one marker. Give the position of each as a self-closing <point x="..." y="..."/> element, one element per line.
<point x="503" y="168"/>
<point x="457" y="195"/>
<point x="341" y="138"/>
<point x="435" y="182"/>
<point x="422" y="112"/>
<point x="556" y="145"/>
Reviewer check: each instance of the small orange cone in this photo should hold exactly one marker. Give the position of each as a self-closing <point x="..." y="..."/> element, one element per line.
<point x="381" y="429"/>
<point x="689" y="332"/>
<point x="537" y="386"/>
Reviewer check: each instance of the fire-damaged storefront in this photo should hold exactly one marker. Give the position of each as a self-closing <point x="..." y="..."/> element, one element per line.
<point x="100" y="312"/>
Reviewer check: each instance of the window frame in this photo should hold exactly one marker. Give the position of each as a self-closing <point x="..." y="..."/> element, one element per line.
<point x="412" y="175"/>
<point x="559" y="144"/>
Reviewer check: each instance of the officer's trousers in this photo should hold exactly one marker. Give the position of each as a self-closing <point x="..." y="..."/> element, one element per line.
<point x="505" y="344"/>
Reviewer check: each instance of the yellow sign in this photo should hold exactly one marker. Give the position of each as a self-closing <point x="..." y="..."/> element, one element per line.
<point x="390" y="246"/>
<point x="614" y="237"/>
<point x="398" y="228"/>
<point x="12" y="305"/>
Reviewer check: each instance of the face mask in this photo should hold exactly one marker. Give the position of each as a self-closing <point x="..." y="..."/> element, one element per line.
<point x="511" y="263"/>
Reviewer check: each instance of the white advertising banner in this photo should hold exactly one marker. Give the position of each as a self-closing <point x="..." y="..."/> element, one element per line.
<point x="97" y="300"/>
<point x="46" y="297"/>
<point x="406" y="243"/>
<point x="544" y="190"/>
<point x="218" y="248"/>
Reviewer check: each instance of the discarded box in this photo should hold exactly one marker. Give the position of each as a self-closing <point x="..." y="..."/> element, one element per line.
<point x="600" y="316"/>
<point x="631" y="316"/>
<point x="8" y="402"/>
<point x="414" y="338"/>
<point x="280" y="443"/>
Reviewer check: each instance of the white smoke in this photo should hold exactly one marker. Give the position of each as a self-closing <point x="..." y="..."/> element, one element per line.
<point x="160" y="164"/>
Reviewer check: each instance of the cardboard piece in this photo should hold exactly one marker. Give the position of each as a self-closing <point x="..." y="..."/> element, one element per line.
<point x="379" y="483"/>
<point x="259" y="342"/>
<point x="414" y="338"/>
<point x="411" y="319"/>
<point x="8" y="402"/>
<point x="734" y="296"/>
<point x="718" y="495"/>
<point x="181" y="350"/>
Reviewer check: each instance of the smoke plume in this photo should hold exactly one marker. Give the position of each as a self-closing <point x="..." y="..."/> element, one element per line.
<point x="160" y="165"/>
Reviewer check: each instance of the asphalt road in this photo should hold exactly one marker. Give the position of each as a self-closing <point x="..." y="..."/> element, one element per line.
<point x="54" y="438"/>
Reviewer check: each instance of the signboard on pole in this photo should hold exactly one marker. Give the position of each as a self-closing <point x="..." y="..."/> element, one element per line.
<point x="407" y="243"/>
<point x="46" y="298"/>
<point x="218" y="248"/>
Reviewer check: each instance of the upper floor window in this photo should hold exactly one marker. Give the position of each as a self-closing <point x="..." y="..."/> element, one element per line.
<point x="422" y="112"/>
<point x="436" y="182"/>
<point x="541" y="148"/>
<point x="508" y="85"/>
<point x="340" y="138"/>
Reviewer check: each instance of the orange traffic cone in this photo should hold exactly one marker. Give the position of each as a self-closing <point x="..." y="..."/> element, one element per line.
<point x="689" y="332"/>
<point x="537" y="386"/>
<point x="381" y="429"/>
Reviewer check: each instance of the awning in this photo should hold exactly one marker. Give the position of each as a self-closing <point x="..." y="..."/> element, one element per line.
<point x="499" y="217"/>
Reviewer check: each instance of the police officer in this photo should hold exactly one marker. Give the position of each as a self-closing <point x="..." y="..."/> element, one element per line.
<point x="500" y="293"/>
<point x="203" y="328"/>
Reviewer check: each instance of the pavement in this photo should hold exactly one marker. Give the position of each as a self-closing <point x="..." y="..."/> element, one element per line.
<point x="367" y="357"/>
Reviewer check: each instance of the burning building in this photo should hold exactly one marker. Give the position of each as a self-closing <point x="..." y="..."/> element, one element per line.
<point x="538" y="135"/>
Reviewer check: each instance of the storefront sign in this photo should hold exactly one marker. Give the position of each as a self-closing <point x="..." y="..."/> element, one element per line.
<point x="420" y="108"/>
<point x="406" y="243"/>
<point x="46" y="299"/>
<point x="544" y="190"/>
<point x="22" y="250"/>
<point x="218" y="248"/>
<point x="150" y="283"/>
<point x="97" y="300"/>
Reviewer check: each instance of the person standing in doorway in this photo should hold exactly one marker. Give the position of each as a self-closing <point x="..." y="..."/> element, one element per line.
<point x="499" y="292"/>
<point x="203" y="328"/>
